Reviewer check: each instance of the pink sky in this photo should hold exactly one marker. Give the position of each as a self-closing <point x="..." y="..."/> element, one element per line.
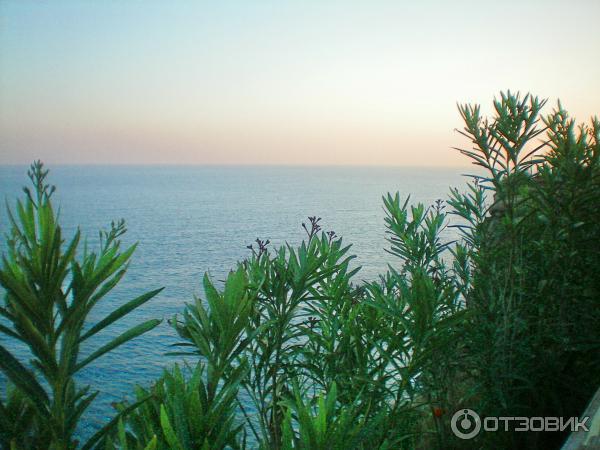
<point x="266" y="83"/>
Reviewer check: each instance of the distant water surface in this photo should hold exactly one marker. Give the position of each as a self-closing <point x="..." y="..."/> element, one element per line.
<point x="190" y="220"/>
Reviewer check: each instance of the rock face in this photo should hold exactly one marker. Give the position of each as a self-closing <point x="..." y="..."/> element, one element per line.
<point x="587" y="440"/>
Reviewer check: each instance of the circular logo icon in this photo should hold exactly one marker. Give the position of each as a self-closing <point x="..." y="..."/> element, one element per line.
<point x="465" y="424"/>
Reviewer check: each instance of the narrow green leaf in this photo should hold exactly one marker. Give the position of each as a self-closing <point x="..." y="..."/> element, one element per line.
<point x="168" y="431"/>
<point x="122" y="435"/>
<point x="91" y="442"/>
<point x="119" y="312"/>
<point x="24" y="380"/>
<point x="152" y="444"/>
<point x="10" y="333"/>
<point x="121" y="339"/>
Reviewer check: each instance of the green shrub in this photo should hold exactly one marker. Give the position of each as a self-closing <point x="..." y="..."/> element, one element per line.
<point x="49" y="294"/>
<point x="493" y="321"/>
<point x="328" y="426"/>
<point x="293" y="354"/>
<point x="310" y="330"/>
<point x="533" y="287"/>
<point x="181" y="414"/>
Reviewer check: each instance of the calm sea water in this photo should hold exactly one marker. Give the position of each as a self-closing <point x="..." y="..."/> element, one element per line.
<point x="192" y="220"/>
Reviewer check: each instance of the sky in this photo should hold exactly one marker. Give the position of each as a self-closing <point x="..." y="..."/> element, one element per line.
<point x="278" y="82"/>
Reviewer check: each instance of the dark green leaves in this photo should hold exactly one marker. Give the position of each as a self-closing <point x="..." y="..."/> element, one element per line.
<point x="50" y="293"/>
<point x="119" y="340"/>
<point x="24" y="379"/>
<point x="181" y="412"/>
<point x="119" y="313"/>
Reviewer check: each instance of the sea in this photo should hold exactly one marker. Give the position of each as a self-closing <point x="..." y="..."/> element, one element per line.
<point x="192" y="220"/>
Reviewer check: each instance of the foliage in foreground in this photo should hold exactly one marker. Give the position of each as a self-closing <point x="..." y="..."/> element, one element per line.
<point x="292" y="354"/>
<point x="534" y="293"/>
<point x="49" y="294"/>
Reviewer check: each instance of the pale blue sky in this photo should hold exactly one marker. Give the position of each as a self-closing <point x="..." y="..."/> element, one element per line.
<point x="268" y="82"/>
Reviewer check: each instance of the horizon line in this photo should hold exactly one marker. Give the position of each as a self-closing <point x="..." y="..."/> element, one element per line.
<point x="168" y="164"/>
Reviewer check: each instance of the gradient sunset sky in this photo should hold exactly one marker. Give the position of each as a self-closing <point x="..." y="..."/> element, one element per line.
<point x="276" y="82"/>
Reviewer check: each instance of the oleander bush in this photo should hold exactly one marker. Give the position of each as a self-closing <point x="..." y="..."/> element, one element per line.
<point x="50" y="291"/>
<point x="183" y="413"/>
<point x="292" y="352"/>
<point x="534" y="333"/>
